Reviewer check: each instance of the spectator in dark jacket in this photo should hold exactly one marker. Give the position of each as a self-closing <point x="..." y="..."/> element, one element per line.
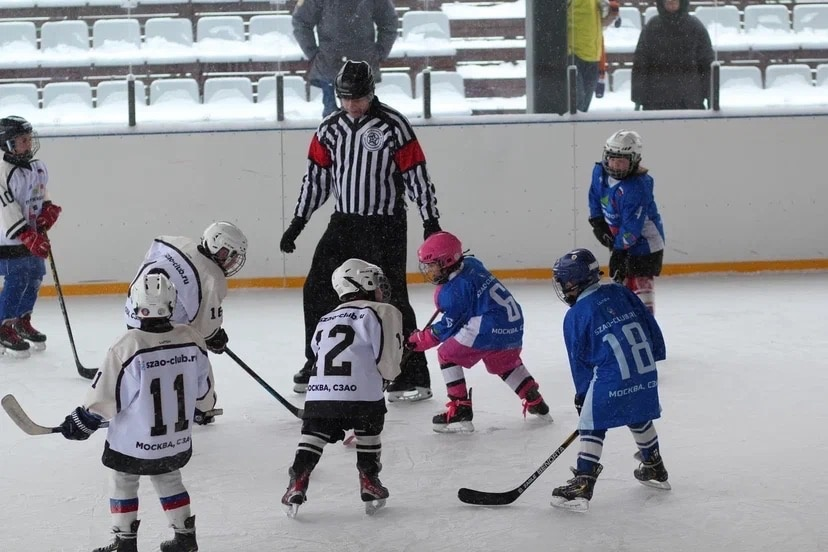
<point x="347" y="29"/>
<point x="671" y="67"/>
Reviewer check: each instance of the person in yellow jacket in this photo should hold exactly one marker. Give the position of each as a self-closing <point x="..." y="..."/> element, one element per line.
<point x="586" y="20"/>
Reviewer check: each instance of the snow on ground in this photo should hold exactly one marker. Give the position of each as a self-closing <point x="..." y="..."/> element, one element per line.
<point x="742" y="435"/>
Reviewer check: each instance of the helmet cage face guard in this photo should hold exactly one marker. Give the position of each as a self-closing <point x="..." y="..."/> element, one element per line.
<point x="573" y="273"/>
<point x="624" y="144"/>
<point x="229" y="261"/>
<point x="434" y="272"/>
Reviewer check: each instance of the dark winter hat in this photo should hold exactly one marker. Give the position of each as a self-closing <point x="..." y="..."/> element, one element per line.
<point x="355" y="80"/>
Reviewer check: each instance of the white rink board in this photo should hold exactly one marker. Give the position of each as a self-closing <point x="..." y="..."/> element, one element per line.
<point x="512" y="188"/>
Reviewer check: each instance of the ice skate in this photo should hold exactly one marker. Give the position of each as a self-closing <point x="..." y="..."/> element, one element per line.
<point x="652" y="473"/>
<point x="125" y="541"/>
<point x="410" y="387"/>
<point x="302" y="377"/>
<point x="457" y="418"/>
<point x="184" y="540"/>
<point x="577" y="492"/>
<point x="11" y="343"/>
<point x="295" y="494"/>
<point x="23" y="327"/>
<point x="372" y="492"/>
<point x="534" y="404"/>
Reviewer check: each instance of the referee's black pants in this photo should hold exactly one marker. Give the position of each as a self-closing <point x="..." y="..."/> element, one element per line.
<point x="380" y="240"/>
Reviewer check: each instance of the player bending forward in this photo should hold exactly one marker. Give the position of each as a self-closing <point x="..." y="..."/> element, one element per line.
<point x="481" y="321"/>
<point x="199" y="272"/>
<point x="151" y="374"/>
<point x="357" y="346"/>
<point x="613" y="343"/>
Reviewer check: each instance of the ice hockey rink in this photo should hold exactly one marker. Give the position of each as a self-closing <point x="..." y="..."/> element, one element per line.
<point x="743" y="435"/>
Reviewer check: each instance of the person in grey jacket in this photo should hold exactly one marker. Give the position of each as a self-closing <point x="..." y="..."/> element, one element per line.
<point x="347" y="29"/>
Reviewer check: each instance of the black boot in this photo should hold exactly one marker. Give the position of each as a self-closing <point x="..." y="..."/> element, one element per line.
<point x="302" y="377"/>
<point x="184" y="540"/>
<point x="125" y="541"/>
<point x="577" y="492"/>
<point x="413" y="383"/>
<point x="652" y="473"/>
<point x="457" y="418"/>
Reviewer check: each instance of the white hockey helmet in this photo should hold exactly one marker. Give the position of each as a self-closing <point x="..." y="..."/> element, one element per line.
<point x="356" y="276"/>
<point x="226" y="244"/>
<point x="153" y="296"/>
<point x="625" y="144"/>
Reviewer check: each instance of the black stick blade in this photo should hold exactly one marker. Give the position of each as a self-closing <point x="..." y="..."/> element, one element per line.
<point x="87" y="373"/>
<point x="483" y="498"/>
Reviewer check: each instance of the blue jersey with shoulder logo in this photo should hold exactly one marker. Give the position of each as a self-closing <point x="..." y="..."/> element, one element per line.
<point x="478" y="311"/>
<point x="613" y="343"/>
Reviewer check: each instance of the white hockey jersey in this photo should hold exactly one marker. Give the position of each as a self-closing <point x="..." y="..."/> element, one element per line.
<point x="147" y="387"/>
<point x="200" y="283"/>
<point x="22" y="193"/>
<point x="357" y="345"/>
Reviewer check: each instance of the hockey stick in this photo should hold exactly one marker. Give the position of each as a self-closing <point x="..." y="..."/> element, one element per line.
<point x="22" y="420"/>
<point x="87" y="373"/>
<point x="293" y="410"/>
<point x="408" y="352"/>
<point x="483" y="498"/>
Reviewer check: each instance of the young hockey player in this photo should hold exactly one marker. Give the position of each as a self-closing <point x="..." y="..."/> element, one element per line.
<point x="154" y="374"/>
<point x="199" y="272"/>
<point x="25" y="216"/>
<point x="624" y="216"/>
<point x="613" y="343"/>
<point x="481" y="321"/>
<point x="356" y="346"/>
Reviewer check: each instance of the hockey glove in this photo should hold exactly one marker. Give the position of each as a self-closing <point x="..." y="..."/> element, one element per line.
<point x="430" y="226"/>
<point x="579" y="402"/>
<point x="218" y="341"/>
<point x="36" y="242"/>
<point x="288" y="243"/>
<point x="421" y="340"/>
<point x="618" y="265"/>
<point x="201" y="418"/>
<point x="80" y="424"/>
<point x="48" y="216"/>
<point x="602" y="231"/>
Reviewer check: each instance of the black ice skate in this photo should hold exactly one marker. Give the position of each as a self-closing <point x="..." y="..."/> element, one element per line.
<point x="534" y="404"/>
<point x="125" y="541"/>
<point x="372" y="492"/>
<point x="577" y="492"/>
<point x="413" y="384"/>
<point x="457" y="418"/>
<point x="11" y="343"/>
<point x="652" y="473"/>
<point x="302" y="377"/>
<point x="184" y="540"/>
<point x="23" y="327"/>
<point x="295" y="494"/>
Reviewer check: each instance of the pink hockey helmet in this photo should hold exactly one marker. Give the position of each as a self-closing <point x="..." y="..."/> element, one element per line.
<point x="439" y="256"/>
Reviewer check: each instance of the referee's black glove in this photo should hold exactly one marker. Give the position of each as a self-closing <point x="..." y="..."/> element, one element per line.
<point x="430" y="226"/>
<point x="288" y="243"/>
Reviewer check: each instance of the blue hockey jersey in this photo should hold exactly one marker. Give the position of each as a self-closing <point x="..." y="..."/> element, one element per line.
<point x="629" y="208"/>
<point x="613" y="343"/>
<point x="478" y="311"/>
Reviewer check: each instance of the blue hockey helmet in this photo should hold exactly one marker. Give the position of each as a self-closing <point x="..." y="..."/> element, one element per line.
<point x="573" y="273"/>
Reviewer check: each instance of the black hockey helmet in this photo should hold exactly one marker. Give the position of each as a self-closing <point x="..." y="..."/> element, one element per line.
<point x="10" y="128"/>
<point x="354" y="80"/>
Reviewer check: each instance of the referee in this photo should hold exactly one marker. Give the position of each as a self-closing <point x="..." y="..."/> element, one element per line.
<point x="367" y="156"/>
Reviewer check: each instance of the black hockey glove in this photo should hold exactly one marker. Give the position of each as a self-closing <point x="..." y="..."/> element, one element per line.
<point x="579" y="402"/>
<point x="202" y="419"/>
<point x="431" y="226"/>
<point x="288" y="243"/>
<point x="218" y="341"/>
<point x="80" y="424"/>
<point x="618" y="265"/>
<point x="602" y="231"/>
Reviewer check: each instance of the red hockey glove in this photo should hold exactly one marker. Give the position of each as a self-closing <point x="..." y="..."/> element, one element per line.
<point x="422" y="340"/>
<point x="36" y="242"/>
<point x="48" y="216"/>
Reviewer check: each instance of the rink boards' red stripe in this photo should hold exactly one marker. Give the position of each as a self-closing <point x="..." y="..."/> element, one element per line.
<point x="120" y="288"/>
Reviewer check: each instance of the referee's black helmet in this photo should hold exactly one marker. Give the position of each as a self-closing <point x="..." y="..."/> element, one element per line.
<point x="355" y="80"/>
